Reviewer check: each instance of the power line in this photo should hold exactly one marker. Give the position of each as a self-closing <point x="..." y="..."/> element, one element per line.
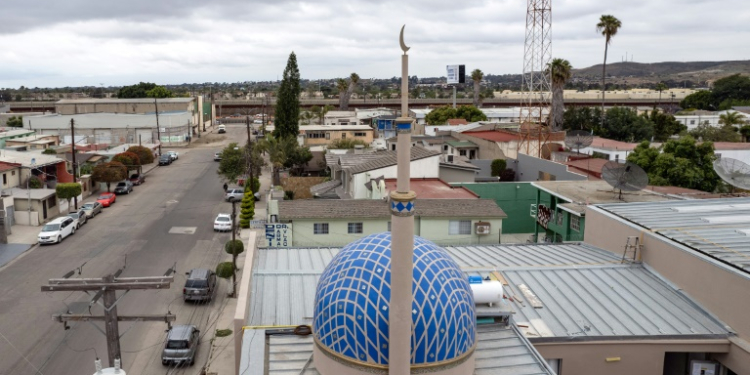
<point x="21" y="354"/>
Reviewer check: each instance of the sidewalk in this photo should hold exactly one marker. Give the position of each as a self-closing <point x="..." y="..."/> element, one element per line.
<point x="221" y="358"/>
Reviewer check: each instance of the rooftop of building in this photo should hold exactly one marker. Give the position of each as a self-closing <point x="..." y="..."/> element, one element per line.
<point x="462" y="144"/>
<point x="589" y="165"/>
<point x="5" y="166"/>
<point x="376" y="208"/>
<point x="434" y="188"/>
<point x="388" y="158"/>
<point x="716" y="228"/>
<point x="608" y="144"/>
<point x="457" y="121"/>
<point x="13" y="132"/>
<point x="582" y="294"/>
<point x="29" y="158"/>
<point x="304" y="128"/>
<point x="120" y="101"/>
<point x="493" y="136"/>
<point x="584" y="193"/>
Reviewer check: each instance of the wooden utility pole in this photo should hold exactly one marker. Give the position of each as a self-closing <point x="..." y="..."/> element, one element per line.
<point x="234" y="249"/>
<point x="106" y="288"/>
<point x="73" y="152"/>
<point x="158" y="130"/>
<point x="247" y="124"/>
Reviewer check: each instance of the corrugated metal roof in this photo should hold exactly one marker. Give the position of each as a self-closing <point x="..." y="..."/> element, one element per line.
<point x="500" y="350"/>
<point x="600" y="302"/>
<point x="537" y="255"/>
<point x="389" y="159"/>
<point x="719" y="228"/>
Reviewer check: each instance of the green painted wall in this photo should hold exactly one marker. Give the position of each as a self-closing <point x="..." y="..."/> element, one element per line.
<point x="515" y="198"/>
<point x="558" y="228"/>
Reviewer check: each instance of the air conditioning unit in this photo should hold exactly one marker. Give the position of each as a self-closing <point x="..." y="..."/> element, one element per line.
<point x="482" y="228"/>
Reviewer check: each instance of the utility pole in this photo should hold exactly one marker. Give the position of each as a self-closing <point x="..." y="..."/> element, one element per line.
<point x="247" y="124"/>
<point x="73" y="152"/>
<point x="106" y="288"/>
<point x="158" y="130"/>
<point x="234" y="249"/>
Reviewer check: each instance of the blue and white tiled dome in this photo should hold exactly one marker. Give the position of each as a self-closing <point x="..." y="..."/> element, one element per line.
<point x="352" y="304"/>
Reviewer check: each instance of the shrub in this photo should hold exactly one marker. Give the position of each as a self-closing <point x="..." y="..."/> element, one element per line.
<point x="49" y="151"/>
<point x="35" y="182"/>
<point x="68" y="190"/>
<point x="234" y="246"/>
<point x="224" y="270"/>
<point x="508" y="175"/>
<point x="247" y="209"/>
<point x="498" y="166"/>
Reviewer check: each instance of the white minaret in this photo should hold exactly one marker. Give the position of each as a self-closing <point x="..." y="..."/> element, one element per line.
<point x="402" y="237"/>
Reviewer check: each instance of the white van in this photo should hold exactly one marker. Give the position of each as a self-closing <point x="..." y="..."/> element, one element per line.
<point x="222" y="129"/>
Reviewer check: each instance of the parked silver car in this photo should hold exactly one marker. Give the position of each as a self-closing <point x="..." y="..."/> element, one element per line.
<point x="181" y="346"/>
<point x="79" y="217"/>
<point x="92" y="209"/>
<point x="234" y="195"/>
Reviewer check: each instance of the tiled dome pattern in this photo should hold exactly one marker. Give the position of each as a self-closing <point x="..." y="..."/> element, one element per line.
<point x="352" y="303"/>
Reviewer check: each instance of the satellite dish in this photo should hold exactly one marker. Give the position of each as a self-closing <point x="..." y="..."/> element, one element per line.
<point x="624" y="176"/>
<point x="578" y="139"/>
<point x="733" y="172"/>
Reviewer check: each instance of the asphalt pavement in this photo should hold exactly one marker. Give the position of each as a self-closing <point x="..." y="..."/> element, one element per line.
<point x="166" y="221"/>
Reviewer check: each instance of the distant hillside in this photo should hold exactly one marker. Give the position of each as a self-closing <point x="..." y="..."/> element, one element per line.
<point x="699" y="71"/>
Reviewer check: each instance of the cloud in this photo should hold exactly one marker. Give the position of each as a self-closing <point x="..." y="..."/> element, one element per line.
<point x="84" y="42"/>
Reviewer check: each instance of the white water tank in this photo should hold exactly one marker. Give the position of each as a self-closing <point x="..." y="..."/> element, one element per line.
<point x="109" y="370"/>
<point x="487" y="292"/>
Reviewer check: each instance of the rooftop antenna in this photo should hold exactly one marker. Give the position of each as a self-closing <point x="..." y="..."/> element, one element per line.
<point x="578" y="139"/>
<point x="733" y="172"/>
<point x="624" y="176"/>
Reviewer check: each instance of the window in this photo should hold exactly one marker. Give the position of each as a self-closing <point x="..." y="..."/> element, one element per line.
<point x="12" y="173"/>
<point x="328" y="135"/>
<point x="445" y="147"/>
<point x="5" y="179"/>
<point x="389" y="226"/>
<point x="343" y="135"/>
<point x="320" y="228"/>
<point x="354" y="228"/>
<point x="459" y="227"/>
<point x="316" y="135"/>
<point x="692" y="122"/>
<point x="575" y="223"/>
<point x="462" y="152"/>
<point x="51" y="202"/>
<point x="360" y="134"/>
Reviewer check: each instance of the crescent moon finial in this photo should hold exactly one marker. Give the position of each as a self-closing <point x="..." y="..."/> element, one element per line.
<point x="401" y="40"/>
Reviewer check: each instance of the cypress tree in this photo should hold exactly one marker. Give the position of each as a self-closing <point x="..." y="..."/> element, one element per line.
<point x="287" y="105"/>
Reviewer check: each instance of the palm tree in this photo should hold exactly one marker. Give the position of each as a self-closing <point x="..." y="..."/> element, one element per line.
<point x="559" y="71"/>
<point x="343" y="88"/>
<point x="477" y="76"/>
<point x="608" y="25"/>
<point x="661" y="86"/>
<point x="278" y="150"/>
<point x="732" y="119"/>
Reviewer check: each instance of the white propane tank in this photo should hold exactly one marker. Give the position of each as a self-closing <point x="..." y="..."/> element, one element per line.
<point x="489" y="292"/>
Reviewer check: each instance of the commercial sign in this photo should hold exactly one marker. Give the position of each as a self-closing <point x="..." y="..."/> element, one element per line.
<point x="278" y="235"/>
<point x="456" y="74"/>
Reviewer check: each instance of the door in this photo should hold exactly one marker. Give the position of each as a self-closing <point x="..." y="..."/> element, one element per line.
<point x="44" y="209"/>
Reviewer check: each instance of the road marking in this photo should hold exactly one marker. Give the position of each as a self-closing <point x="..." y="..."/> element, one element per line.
<point x="182" y="230"/>
<point x="172" y="201"/>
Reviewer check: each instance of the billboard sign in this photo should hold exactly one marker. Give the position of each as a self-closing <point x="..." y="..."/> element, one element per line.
<point x="456" y="74"/>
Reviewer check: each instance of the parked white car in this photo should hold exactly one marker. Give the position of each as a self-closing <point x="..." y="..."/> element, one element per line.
<point x="56" y="230"/>
<point x="223" y="223"/>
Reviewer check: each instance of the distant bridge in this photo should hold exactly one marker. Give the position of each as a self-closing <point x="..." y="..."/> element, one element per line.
<point x="252" y="106"/>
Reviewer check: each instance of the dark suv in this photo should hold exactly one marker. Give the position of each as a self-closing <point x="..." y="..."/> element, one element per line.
<point x="200" y="285"/>
<point x="165" y="159"/>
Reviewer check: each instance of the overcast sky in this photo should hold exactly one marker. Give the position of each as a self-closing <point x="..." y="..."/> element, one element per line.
<point x="53" y="43"/>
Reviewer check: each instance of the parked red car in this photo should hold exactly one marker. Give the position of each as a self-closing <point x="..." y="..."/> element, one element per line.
<point x="137" y="179"/>
<point x="106" y="199"/>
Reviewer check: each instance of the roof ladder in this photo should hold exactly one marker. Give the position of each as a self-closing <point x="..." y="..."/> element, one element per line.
<point x="632" y="248"/>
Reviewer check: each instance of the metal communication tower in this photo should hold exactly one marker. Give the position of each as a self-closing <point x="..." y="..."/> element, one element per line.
<point x="535" y="104"/>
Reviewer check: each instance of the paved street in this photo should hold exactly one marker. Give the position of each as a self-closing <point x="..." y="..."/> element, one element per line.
<point x="134" y="233"/>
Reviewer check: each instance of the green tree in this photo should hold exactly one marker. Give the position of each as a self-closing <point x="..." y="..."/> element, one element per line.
<point x="732" y="119"/>
<point x="680" y="163"/>
<point x="284" y="153"/>
<point x="342" y="86"/>
<point x="128" y="159"/>
<point x="665" y="125"/>
<point x="137" y="91"/>
<point x="734" y="87"/>
<point x="35" y="182"/>
<point x="247" y="209"/>
<point x="608" y="25"/>
<point x="661" y="86"/>
<point x="232" y="164"/>
<point x="234" y="248"/>
<point x="145" y="155"/>
<point x="745" y="131"/>
<point x="440" y="116"/>
<point x="287" y="105"/>
<point x="582" y="118"/>
<point x="49" y="151"/>
<point x="68" y="190"/>
<point x="707" y="133"/>
<point x="346" y="143"/>
<point x="699" y="100"/>
<point x="559" y="71"/>
<point x="624" y="124"/>
<point x="476" y="76"/>
<point x="225" y="270"/>
<point x="110" y="172"/>
<point x="159" y="92"/>
<point x="498" y="166"/>
<point x="15" y="122"/>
